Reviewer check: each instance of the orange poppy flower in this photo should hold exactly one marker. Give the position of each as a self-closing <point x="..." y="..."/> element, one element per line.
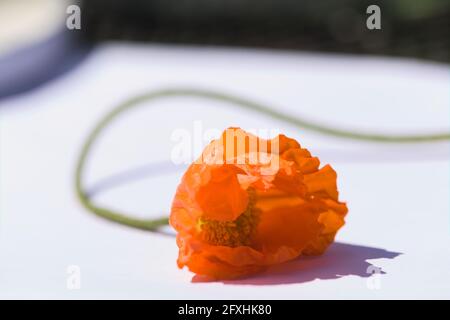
<point x="248" y="203"/>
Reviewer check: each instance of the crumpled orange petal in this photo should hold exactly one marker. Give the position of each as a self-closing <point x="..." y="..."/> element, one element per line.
<point x="236" y="212"/>
<point x="221" y="196"/>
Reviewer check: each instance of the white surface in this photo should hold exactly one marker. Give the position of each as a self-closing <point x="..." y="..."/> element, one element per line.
<point x="398" y="196"/>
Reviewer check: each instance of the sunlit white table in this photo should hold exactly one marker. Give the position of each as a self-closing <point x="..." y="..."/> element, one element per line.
<point x="398" y="195"/>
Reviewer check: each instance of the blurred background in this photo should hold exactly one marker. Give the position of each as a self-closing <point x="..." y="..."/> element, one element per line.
<point x="35" y="44"/>
<point x="313" y="59"/>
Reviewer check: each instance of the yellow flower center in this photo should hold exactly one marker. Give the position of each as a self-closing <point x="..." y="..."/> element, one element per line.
<point x="231" y="233"/>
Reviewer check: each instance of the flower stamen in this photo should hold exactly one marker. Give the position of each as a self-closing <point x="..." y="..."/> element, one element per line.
<point x="231" y="233"/>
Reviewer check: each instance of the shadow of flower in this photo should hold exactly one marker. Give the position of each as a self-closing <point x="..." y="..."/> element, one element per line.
<point x="340" y="260"/>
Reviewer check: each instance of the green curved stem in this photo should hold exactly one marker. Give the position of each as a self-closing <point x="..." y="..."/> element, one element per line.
<point x="153" y="224"/>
